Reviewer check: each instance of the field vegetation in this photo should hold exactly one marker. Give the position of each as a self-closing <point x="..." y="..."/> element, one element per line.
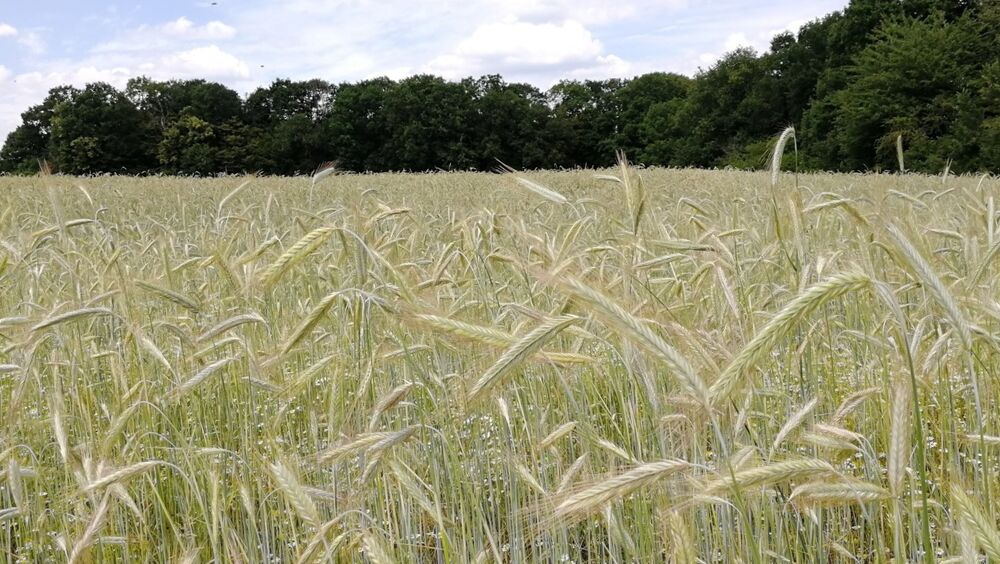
<point x="621" y="365"/>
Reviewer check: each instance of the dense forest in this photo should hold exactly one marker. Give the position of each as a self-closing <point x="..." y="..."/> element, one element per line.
<point x="851" y="83"/>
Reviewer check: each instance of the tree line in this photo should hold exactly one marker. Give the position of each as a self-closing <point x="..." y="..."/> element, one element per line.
<point x="851" y="83"/>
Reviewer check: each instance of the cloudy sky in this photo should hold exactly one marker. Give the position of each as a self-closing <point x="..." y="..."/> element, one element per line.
<point x="246" y="43"/>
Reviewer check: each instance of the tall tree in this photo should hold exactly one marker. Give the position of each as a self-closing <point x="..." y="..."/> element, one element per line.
<point x="727" y="108"/>
<point x="508" y="124"/>
<point x="98" y="129"/>
<point x="164" y="101"/>
<point x="851" y="82"/>
<point x="286" y="98"/>
<point x="584" y="122"/>
<point x="653" y="92"/>
<point x="357" y="124"/>
<point x="909" y="82"/>
<point x="188" y="146"/>
<point x="429" y="120"/>
<point x="29" y="142"/>
<point x="185" y="116"/>
<point x="290" y="119"/>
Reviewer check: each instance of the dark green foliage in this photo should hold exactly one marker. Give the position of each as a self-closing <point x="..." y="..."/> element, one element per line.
<point x="287" y="126"/>
<point x="27" y="144"/>
<point x="357" y="124"/>
<point x="850" y="82"/>
<point x="585" y="125"/>
<point x="285" y="99"/>
<point x="162" y="102"/>
<point x="642" y="99"/>
<point x="913" y="81"/>
<point x="729" y="105"/>
<point x="508" y="124"/>
<point x="429" y="123"/>
<point x="188" y="145"/>
<point x="98" y="129"/>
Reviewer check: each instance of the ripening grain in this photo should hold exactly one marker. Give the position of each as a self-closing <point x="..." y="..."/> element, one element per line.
<point x="594" y="366"/>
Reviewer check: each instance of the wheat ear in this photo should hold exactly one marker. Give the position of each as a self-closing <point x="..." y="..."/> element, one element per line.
<point x="842" y="492"/>
<point x="770" y="474"/>
<point x="595" y="496"/>
<point x="198" y="378"/>
<point x="767" y="338"/>
<point x="523" y="348"/>
<point x="983" y="527"/>
<point x="70" y="316"/>
<point x="290" y="486"/>
<point x="638" y="331"/>
<point x="301" y="249"/>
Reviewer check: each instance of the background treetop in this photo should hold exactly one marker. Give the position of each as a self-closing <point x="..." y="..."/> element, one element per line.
<point x="851" y="83"/>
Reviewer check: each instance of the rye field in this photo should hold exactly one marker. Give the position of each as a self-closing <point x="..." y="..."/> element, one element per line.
<point x="624" y="365"/>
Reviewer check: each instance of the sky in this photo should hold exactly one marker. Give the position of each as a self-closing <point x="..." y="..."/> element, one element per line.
<point x="249" y="43"/>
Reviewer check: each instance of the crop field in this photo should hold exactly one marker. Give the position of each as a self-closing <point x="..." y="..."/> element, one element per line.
<point x="623" y="365"/>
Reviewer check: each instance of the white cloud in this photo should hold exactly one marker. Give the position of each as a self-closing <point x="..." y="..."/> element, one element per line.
<point x="180" y="26"/>
<point x="522" y="43"/>
<point x="604" y="66"/>
<point x="757" y="37"/>
<point x="351" y="64"/>
<point x="218" y="30"/>
<point x="587" y="12"/>
<point x="185" y="28"/>
<point x="202" y="62"/>
<point x="761" y="40"/>
<point x="735" y="41"/>
<point x="170" y="36"/>
<point x="32" y="41"/>
<point x="7" y="30"/>
<point x="518" y="48"/>
<point x="526" y="40"/>
<point x="116" y="76"/>
<point x="792" y="26"/>
<point x="706" y="59"/>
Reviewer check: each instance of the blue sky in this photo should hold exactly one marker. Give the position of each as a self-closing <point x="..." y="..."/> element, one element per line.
<point x="247" y="43"/>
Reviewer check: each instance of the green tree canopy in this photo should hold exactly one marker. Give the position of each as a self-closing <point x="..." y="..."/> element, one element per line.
<point x="508" y="124"/>
<point x="357" y="124"/>
<point x="29" y="143"/>
<point x="98" y="129"/>
<point x="850" y="82"/>
<point x="911" y="81"/>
